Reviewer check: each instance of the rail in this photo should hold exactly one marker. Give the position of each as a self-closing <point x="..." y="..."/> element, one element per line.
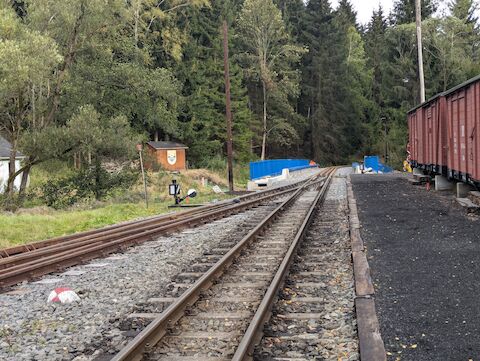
<point x="89" y="245"/>
<point x="159" y="327"/>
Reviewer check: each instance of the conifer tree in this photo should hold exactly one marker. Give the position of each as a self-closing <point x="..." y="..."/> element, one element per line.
<point x="323" y="70"/>
<point x="293" y="12"/>
<point x="404" y="10"/>
<point x="375" y="43"/>
<point x="201" y="73"/>
<point x="465" y="10"/>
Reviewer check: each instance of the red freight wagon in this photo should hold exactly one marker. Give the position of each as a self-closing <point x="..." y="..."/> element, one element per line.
<point x="428" y="136"/>
<point x="463" y="121"/>
<point x="444" y="133"/>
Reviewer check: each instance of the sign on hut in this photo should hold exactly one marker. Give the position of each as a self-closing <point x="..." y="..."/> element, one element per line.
<point x="169" y="155"/>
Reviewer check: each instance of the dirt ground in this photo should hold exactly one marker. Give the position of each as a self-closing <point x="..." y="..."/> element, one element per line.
<point x="424" y="254"/>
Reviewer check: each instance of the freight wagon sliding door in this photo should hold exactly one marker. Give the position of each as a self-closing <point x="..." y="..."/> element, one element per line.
<point x="457" y="128"/>
<point x="422" y="136"/>
<point x="430" y="135"/>
<point x="472" y="139"/>
<point x="475" y="134"/>
<point x="442" y="136"/>
<point x="416" y="136"/>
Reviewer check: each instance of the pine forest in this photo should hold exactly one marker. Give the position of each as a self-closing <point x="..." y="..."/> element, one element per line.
<point x="83" y="81"/>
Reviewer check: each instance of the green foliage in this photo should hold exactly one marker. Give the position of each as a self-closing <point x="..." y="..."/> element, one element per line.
<point x="84" y="81"/>
<point x="90" y="183"/>
<point x="202" y="73"/>
<point x="465" y="10"/>
<point x="270" y="59"/>
<point x="404" y="10"/>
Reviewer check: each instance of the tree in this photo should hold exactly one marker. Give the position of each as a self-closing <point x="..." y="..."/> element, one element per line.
<point x="448" y="42"/>
<point x="377" y="48"/>
<point x="27" y="60"/>
<point x="269" y="53"/>
<point x="345" y="15"/>
<point x="404" y="10"/>
<point x="201" y="73"/>
<point x="154" y="20"/>
<point x="375" y="43"/>
<point x="99" y="138"/>
<point x="323" y="82"/>
<point x="293" y="12"/>
<point x="465" y="10"/>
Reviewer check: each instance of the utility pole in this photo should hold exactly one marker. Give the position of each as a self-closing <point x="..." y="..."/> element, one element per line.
<point x="140" y="148"/>
<point x="418" y="12"/>
<point x="228" y="107"/>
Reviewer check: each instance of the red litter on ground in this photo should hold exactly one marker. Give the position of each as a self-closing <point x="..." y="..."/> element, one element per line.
<point x="63" y="295"/>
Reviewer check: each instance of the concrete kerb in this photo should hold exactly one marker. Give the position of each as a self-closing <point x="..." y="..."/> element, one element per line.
<point x="371" y="345"/>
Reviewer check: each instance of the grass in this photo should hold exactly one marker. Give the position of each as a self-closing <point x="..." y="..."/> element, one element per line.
<point x="31" y="226"/>
<point x="39" y="223"/>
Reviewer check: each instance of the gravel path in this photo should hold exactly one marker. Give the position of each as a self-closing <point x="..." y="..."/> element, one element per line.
<point x="31" y="329"/>
<point x="423" y="254"/>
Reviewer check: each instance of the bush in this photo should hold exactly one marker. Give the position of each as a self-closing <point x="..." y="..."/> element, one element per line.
<point x="91" y="183"/>
<point x="216" y="163"/>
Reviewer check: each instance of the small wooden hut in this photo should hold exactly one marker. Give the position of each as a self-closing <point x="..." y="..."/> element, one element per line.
<point x="169" y="155"/>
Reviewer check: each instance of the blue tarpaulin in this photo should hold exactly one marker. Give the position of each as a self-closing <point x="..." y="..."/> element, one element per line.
<point x="374" y="163"/>
<point x="274" y="167"/>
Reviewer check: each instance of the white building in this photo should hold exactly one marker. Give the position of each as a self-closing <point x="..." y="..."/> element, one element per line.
<point x="5" y="148"/>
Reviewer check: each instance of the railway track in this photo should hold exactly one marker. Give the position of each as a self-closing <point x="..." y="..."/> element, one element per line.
<point x="221" y="313"/>
<point x="33" y="260"/>
<point x="313" y="316"/>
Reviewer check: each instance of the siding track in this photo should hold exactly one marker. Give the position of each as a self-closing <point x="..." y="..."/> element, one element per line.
<point x="30" y="261"/>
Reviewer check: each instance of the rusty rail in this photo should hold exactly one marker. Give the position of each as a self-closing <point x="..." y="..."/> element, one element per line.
<point x="254" y="331"/>
<point x="158" y="328"/>
<point x="90" y="245"/>
<point x="26" y="248"/>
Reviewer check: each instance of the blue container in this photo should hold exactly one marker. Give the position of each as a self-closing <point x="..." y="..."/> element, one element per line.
<point x="274" y="167"/>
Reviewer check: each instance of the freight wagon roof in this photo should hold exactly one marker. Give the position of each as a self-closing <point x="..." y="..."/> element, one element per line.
<point x="447" y="93"/>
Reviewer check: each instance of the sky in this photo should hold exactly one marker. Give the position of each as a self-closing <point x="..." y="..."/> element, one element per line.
<point x="365" y="8"/>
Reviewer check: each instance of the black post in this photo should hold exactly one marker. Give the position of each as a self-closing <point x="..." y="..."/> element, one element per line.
<point x="386" y="140"/>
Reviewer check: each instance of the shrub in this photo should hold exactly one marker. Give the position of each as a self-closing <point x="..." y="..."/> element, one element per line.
<point x="91" y="183"/>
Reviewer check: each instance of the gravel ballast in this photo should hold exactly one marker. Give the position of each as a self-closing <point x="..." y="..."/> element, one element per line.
<point x="110" y="289"/>
<point x="31" y="329"/>
<point x="314" y="317"/>
<point x="423" y="253"/>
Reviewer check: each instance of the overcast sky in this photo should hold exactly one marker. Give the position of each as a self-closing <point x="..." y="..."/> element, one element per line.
<point x="365" y="8"/>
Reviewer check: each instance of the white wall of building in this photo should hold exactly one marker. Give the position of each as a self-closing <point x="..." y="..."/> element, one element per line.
<point x="4" y="175"/>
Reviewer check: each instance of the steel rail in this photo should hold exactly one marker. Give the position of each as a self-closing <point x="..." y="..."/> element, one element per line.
<point x="158" y="328"/>
<point x="30" y="247"/>
<point x="56" y="257"/>
<point x="255" y="330"/>
<point x="62" y="256"/>
<point x="119" y="232"/>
